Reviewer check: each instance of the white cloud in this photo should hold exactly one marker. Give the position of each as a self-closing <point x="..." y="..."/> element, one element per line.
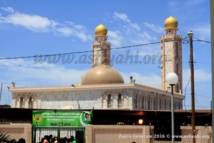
<point x="83" y="36"/>
<point x="124" y="17"/>
<point x="38" y="23"/>
<point x="115" y="38"/>
<point x="26" y="73"/>
<point x="149" y="79"/>
<point x="65" y="31"/>
<point x="153" y="27"/>
<point x="22" y="71"/>
<point x="79" y="27"/>
<point x="132" y="32"/>
<point x="145" y="35"/>
<point x="203" y="31"/>
<point x="145" y="38"/>
<point x="8" y="9"/>
<point x="200" y="75"/>
<point x="70" y="31"/>
<point x="31" y="22"/>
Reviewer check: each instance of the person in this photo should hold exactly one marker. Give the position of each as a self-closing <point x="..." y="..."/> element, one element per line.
<point x="62" y="140"/>
<point x="72" y="139"/>
<point x="51" y="139"/>
<point x="87" y="116"/>
<point x="21" y="140"/>
<point x="55" y="140"/>
<point x="45" y="141"/>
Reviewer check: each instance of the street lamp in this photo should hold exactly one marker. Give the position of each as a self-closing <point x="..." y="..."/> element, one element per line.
<point x="172" y="79"/>
<point x="190" y="34"/>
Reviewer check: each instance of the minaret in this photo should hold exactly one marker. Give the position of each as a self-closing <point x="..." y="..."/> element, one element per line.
<point x="101" y="71"/>
<point x="100" y="47"/>
<point x="171" y="52"/>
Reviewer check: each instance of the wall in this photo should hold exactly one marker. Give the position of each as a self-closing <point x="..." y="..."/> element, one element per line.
<point x="140" y="134"/>
<point x="117" y="134"/>
<point x="17" y="131"/>
<point x="90" y="99"/>
<point x="203" y="134"/>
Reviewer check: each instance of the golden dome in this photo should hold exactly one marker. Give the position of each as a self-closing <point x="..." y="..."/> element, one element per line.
<point x="171" y="22"/>
<point x="101" y="30"/>
<point x="102" y="74"/>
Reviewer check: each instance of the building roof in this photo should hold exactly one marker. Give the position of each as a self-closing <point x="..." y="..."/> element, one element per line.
<point x="77" y="88"/>
<point x="102" y="74"/>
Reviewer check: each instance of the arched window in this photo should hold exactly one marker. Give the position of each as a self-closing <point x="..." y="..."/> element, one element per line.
<point x="149" y="105"/>
<point x="155" y="104"/>
<point x="109" y="104"/>
<point x="169" y="105"/>
<point x="142" y="101"/>
<point x="159" y="103"/>
<point x="164" y="104"/>
<point x="30" y="102"/>
<point x="21" y="102"/>
<point x="120" y="101"/>
<point x="135" y="101"/>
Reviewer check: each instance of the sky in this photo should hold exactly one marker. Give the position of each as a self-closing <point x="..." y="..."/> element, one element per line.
<point x="36" y="28"/>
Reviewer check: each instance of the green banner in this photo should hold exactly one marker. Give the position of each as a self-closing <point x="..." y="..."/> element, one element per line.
<point x="61" y="118"/>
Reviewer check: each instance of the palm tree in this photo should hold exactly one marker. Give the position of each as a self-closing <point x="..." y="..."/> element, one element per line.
<point x="4" y="138"/>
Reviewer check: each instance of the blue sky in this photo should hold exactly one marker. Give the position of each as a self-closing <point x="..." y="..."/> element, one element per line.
<point x="29" y="28"/>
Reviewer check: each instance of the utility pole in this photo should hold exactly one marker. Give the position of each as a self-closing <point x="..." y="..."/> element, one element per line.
<point x="190" y="34"/>
<point x="1" y="91"/>
<point x="212" y="56"/>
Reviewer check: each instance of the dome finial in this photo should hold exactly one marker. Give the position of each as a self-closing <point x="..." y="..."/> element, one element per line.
<point x="171" y="22"/>
<point x="101" y="30"/>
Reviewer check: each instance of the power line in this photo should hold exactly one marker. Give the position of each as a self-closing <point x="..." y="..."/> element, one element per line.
<point x="198" y="102"/>
<point x="88" y="51"/>
<point x="202" y="96"/>
<point x="197" y="106"/>
<point x="199" y="40"/>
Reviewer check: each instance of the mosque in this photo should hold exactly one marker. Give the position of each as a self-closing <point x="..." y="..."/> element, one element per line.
<point x="103" y="87"/>
<point x="116" y="107"/>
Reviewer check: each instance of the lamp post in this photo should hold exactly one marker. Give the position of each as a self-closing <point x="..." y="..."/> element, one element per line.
<point x="172" y="79"/>
<point x="190" y="34"/>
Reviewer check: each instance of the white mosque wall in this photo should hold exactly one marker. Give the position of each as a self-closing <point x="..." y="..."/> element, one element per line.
<point x="95" y="99"/>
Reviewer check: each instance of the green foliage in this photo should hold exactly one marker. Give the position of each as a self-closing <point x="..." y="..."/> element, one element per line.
<point x="4" y="138"/>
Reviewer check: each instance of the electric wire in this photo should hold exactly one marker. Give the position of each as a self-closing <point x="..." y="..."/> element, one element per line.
<point x="198" y="102"/>
<point x="185" y="94"/>
<point x="80" y="52"/>
<point x="89" y="51"/>
<point x="201" y="40"/>
<point x="204" y="96"/>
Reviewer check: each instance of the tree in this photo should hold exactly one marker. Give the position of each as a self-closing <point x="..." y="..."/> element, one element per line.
<point x="4" y="138"/>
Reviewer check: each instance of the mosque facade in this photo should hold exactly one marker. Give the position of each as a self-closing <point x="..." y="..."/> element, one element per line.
<point x="103" y="87"/>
